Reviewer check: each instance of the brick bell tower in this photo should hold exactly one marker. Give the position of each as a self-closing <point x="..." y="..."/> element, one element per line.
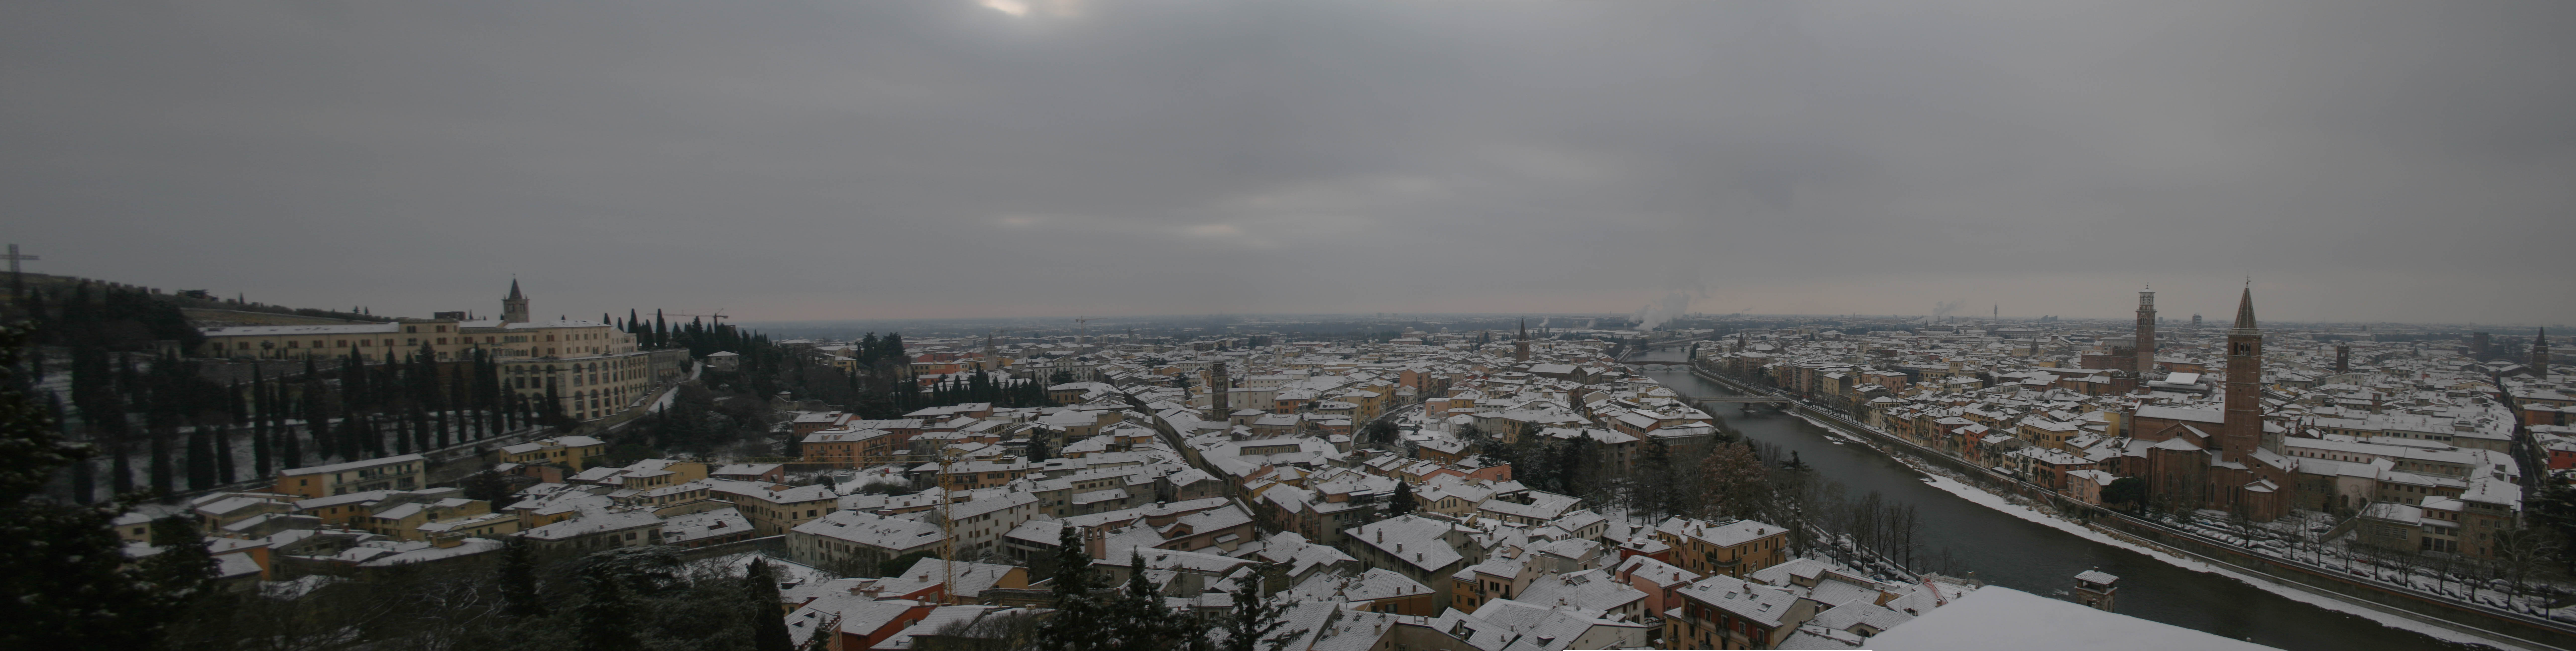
<point x="2540" y="355"/>
<point x="2242" y="430"/>
<point x="1217" y="386"/>
<point x="1520" y="343"/>
<point x="2146" y="337"/>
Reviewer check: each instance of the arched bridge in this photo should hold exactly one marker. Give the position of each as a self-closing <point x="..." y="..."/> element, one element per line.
<point x="1740" y="399"/>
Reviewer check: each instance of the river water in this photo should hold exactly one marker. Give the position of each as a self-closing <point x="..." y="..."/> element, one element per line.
<point x="2023" y="555"/>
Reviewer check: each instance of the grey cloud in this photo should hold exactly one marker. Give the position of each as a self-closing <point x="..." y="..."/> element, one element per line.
<point x="2400" y="161"/>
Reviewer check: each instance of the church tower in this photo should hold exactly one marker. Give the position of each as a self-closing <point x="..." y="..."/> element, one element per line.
<point x="1520" y="344"/>
<point x="2242" y="430"/>
<point x="2540" y="354"/>
<point x="514" y="308"/>
<point x="1217" y="386"/>
<point x="2146" y="337"/>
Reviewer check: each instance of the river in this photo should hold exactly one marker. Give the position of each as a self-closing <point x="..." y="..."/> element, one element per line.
<point x="2009" y="551"/>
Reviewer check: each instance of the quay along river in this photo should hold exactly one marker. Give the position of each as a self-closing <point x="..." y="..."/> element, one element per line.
<point x="2008" y="551"/>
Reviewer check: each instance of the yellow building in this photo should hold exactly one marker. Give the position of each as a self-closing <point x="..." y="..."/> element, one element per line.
<point x="400" y="472"/>
<point x="1734" y="548"/>
<point x="567" y="451"/>
<point x="405" y="521"/>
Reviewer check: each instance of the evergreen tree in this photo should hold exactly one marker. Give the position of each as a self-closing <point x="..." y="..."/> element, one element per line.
<point x="438" y="428"/>
<point x="160" y="472"/>
<point x="604" y="621"/>
<point x="1138" y="618"/>
<point x="120" y="471"/>
<point x="1077" y="624"/>
<point x="183" y="568"/>
<point x="1254" y="623"/>
<point x="404" y="429"/>
<point x="260" y="455"/>
<point x="66" y="581"/>
<point x="84" y="486"/>
<point x="1402" y="503"/>
<point x="224" y="468"/>
<point x="768" y="626"/>
<point x="519" y="580"/>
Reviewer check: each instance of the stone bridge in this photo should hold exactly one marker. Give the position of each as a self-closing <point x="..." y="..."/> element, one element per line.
<point x="1741" y="399"/>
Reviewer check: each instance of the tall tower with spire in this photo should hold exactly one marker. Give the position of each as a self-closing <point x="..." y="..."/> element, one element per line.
<point x="2540" y="354"/>
<point x="2242" y="429"/>
<point x="514" y="308"/>
<point x="1520" y="343"/>
<point x="2146" y="336"/>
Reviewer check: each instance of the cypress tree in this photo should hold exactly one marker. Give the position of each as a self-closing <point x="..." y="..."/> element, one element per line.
<point x="201" y="460"/>
<point x="519" y="580"/>
<point x="365" y="440"/>
<point x="84" y="486"/>
<point x="768" y="626"/>
<point x="552" y="413"/>
<point x="439" y="428"/>
<point x="224" y="467"/>
<point x="159" y="472"/>
<point x="260" y="455"/>
<point x="605" y="619"/>
<point x="290" y="454"/>
<point x="120" y="471"/>
<point x="420" y="428"/>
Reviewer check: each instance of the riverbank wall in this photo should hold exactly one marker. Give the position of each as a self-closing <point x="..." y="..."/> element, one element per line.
<point x="2473" y="619"/>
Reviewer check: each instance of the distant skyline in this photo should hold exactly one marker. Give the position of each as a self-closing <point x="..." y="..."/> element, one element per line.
<point x="2362" y="161"/>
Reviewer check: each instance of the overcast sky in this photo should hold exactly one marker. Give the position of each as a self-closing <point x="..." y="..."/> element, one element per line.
<point x="2361" y="161"/>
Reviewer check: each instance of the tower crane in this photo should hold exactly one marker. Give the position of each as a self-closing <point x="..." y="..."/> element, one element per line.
<point x="716" y="317"/>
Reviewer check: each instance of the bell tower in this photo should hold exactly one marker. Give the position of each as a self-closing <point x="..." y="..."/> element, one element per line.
<point x="1217" y="384"/>
<point x="514" y="308"/>
<point x="2146" y="336"/>
<point x="2540" y="354"/>
<point x="1520" y="344"/>
<point x="2242" y="430"/>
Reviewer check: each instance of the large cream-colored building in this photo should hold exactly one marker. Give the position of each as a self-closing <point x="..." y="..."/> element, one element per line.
<point x="594" y="368"/>
<point x="449" y="337"/>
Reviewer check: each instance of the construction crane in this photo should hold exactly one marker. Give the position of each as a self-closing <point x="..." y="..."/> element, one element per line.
<point x="715" y="318"/>
<point x="947" y="526"/>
